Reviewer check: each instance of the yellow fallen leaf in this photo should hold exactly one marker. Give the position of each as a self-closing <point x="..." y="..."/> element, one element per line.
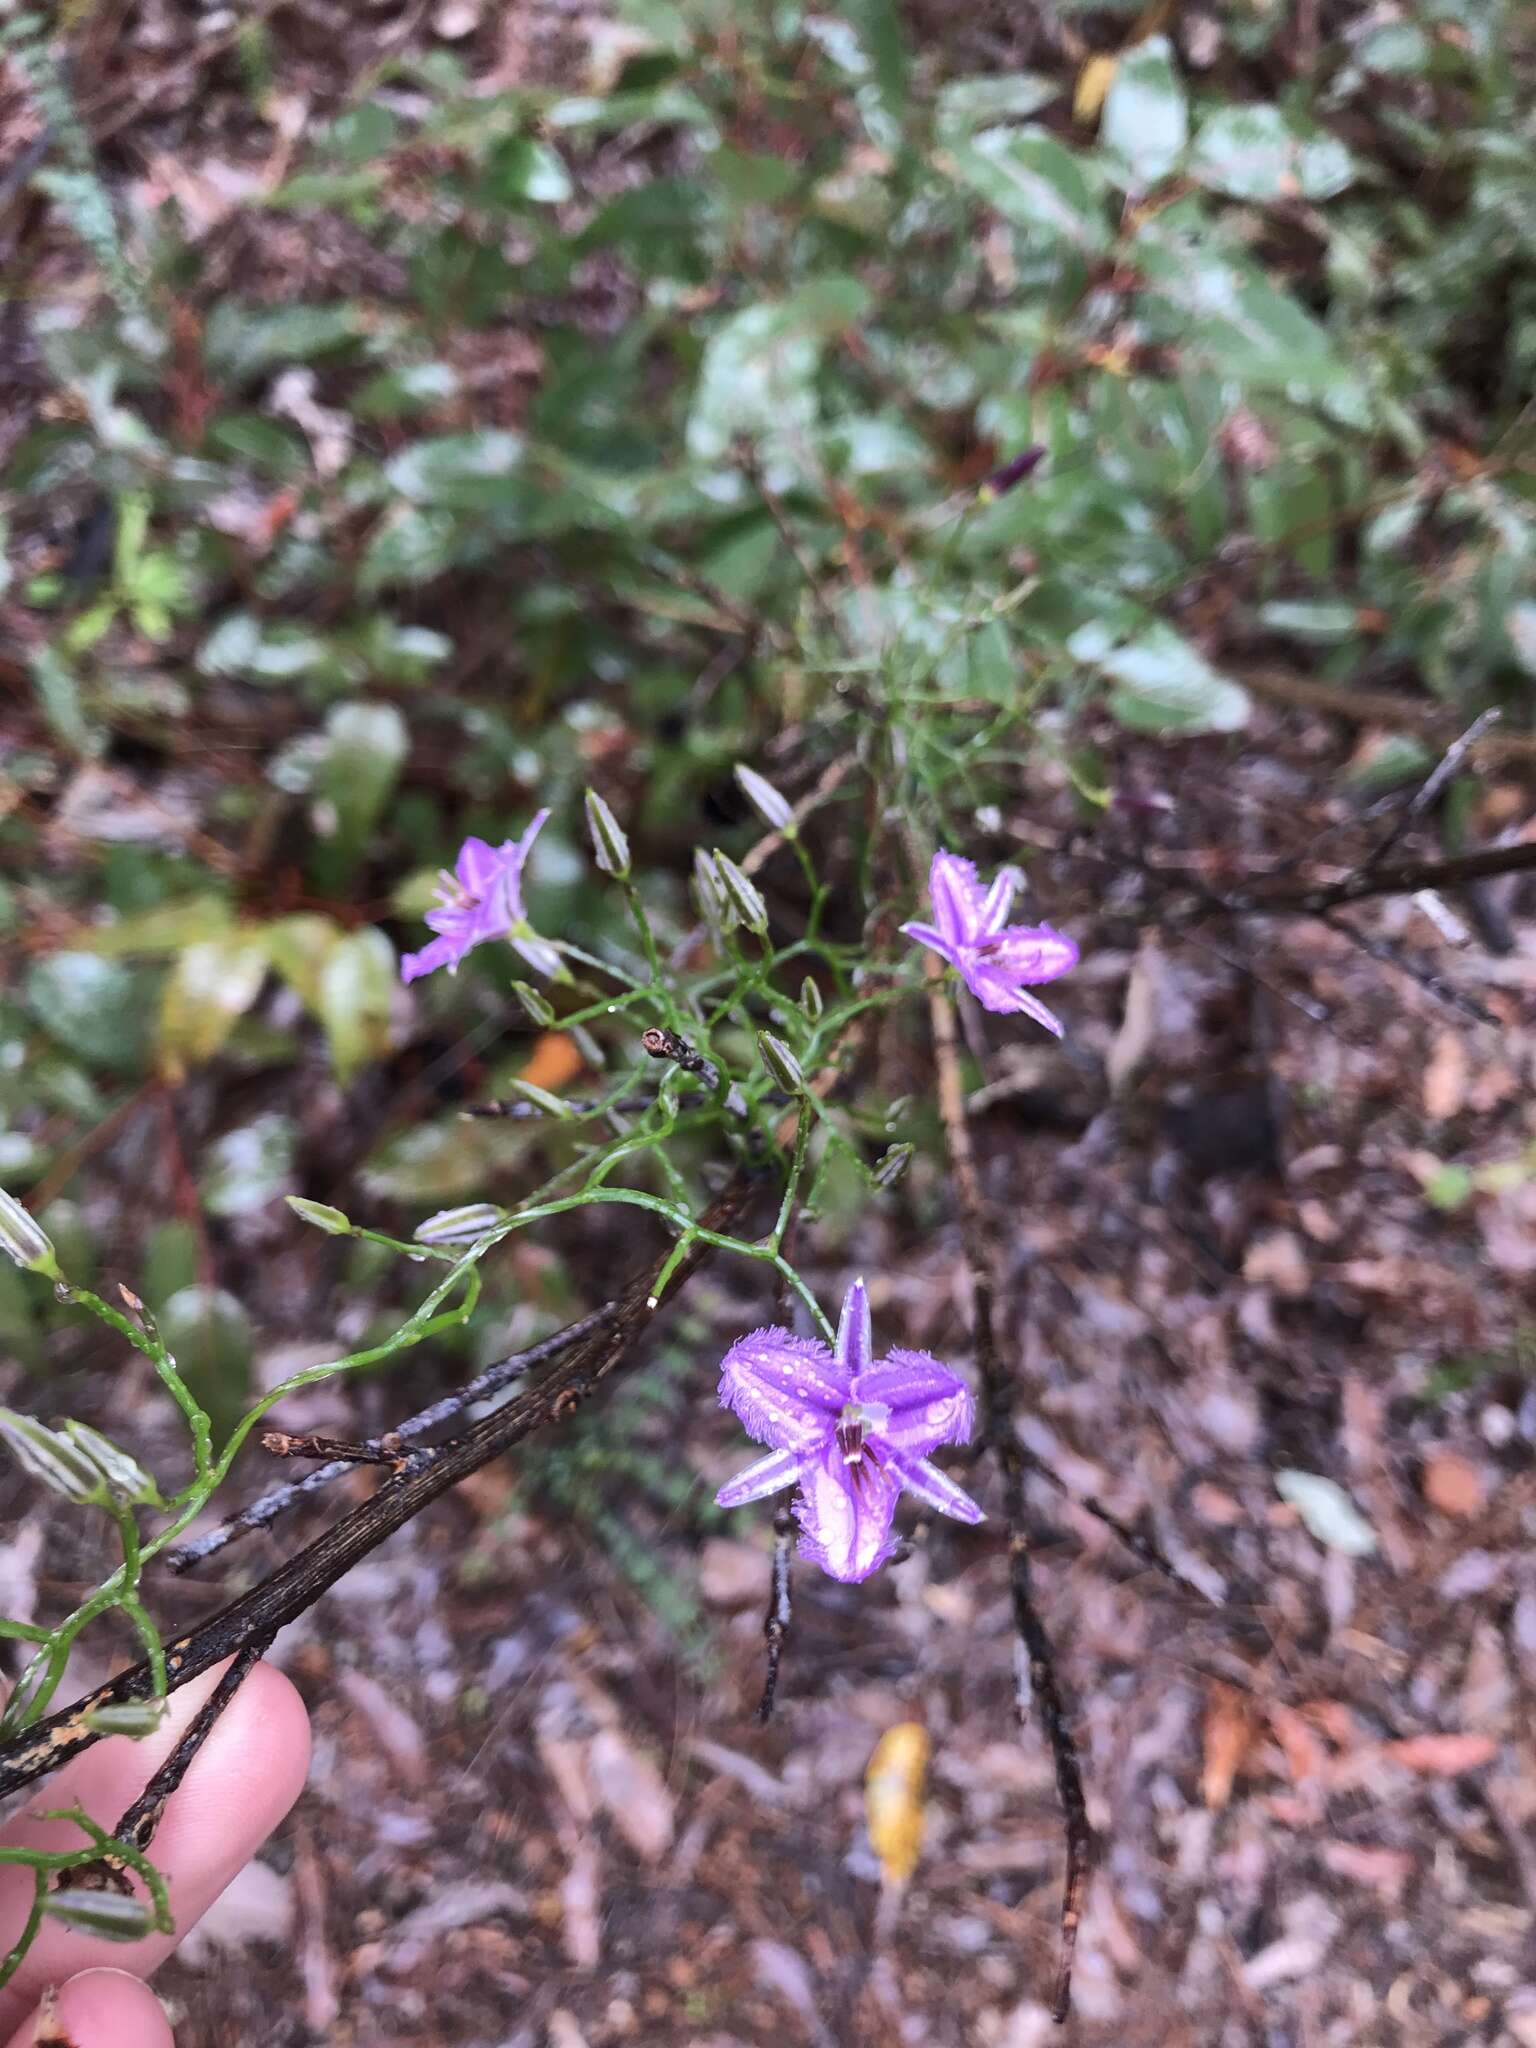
<point x="893" y="1798"/>
<point x="1093" y="83"/>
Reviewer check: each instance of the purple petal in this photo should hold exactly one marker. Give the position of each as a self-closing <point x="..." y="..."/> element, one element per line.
<point x="995" y="905"/>
<point x="845" y="1514"/>
<point x="787" y="1390"/>
<point x="1032" y="952"/>
<point x="769" y="1475"/>
<point x="955" y="893"/>
<point x="935" y="1489"/>
<point x="995" y="989"/>
<point x="855" y="1344"/>
<point x="444" y="952"/>
<point x="479" y="866"/>
<point x="926" y="935"/>
<point x="517" y="861"/>
<point x="929" y="1405"/>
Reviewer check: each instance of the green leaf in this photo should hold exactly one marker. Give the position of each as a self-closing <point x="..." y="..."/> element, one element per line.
<point x="460" y="471"/>
<point x="58" y="691"/>
<point x="966" y="104"/>
<point x="1253" y="152"/>
<point x="364" y="746"/>
<point x="246" y="1168"/>
<point x="1163" y="684"/>
<point x="410" y="546"/>
<point x="241" y="341"/>
<point x="1328" y="1512"/>
<point x="1145" y="123"/>
<point x="414" y="387"/>
<point x="210" y="988"/>
<point x="1034" y="181"/>
<point x="357" y="986"/>
<point x="298" y="948"/>
<point x="525" y="170"/>
<point x="759" y="369"/>
<point x="1322" y="619"/>
<point x="165" y="929"/>
<point x="92" y="1006"/>
<point x="243" y="645"/>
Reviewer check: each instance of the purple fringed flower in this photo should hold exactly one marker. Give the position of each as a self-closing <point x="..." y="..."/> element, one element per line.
<point x="993" y="957"/>
<point x="482" y="899"/>
<point x="850" y="1430"/>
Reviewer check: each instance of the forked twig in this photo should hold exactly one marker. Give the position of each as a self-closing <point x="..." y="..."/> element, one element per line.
<point x="262" y="1513"/>
<point x="139" y="1823"/>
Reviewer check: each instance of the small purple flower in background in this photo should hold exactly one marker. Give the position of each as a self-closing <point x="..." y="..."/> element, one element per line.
<point x="482" y="899"/>
<point x="1011" y="474"/>
<point x="850" y="1430"/>
<point x="993" y="957"/>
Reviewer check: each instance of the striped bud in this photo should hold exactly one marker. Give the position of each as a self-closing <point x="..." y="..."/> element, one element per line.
<point x="769" y="805"/>
<point x="610" y="848"/>
<point x="742" y="896"/>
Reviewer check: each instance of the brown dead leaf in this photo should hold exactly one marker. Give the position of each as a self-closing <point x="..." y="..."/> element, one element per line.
<point x="1384" y="1870"/>
<point x="1278" y="1260"/>
<point x="629" y="1785"/>
<point x="1441" y="1756"/>
<point x="1445" y="1078"/>
<point x="1453" y="1484"/>
<point x="1227" y="1736"/>
<point x="1305" y="1757"/>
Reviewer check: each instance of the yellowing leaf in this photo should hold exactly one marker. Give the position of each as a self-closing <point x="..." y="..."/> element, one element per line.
<point x="893" y="1798"/>
<point x="210" y="987"/>
<point x="1092" y="88"/>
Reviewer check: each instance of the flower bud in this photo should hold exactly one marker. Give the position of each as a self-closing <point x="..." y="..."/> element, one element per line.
<point x="709" y="895"/>
<point x="52" y="1459"/>
<point x="459" y="1226"/>
<point x="125" y="1476"/>
<point x="892" y="1165"/>
<point x="769" y="805"/>
<point x="321" y="1215"/>
<point x="133" y="1718"/>
<point x="111" y="1916"/>
<point x="741" y="895"/>
<point x="810" y="1000"/>
<point x="781" y="1063"/>
<point x="610" y="848"/>
<point x="539" y="1010"/>
<point x="542" y="1099"/>
<point x="24" y="1240"/>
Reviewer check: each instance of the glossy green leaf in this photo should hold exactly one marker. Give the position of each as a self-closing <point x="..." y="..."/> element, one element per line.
<point x="1253" y="152"/>
<point x="211" y="986"/>
<point x="1145" y="123"/>
<point x="357" y="986"/>
<point x="1163" y="684"/>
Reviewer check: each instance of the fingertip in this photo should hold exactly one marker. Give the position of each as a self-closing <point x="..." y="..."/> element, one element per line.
<point x="97" y="2009"/>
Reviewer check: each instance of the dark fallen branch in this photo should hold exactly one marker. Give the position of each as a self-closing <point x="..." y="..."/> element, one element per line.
<point x="262" y="1513"/>
<point x="256" y="1616"/>
<point x="137" y="1826"/>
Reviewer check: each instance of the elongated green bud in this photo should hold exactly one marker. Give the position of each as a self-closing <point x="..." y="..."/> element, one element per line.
<point x="610" y="848"/>
<point x="112" y="1916"/>
<point x="537" y="1007"/>
<point x="741" y="894"/>
<point x="810" y="1000"/>
<point x="125" y="1476"/>
<point x="459" y="1226"/>
<point x="781" y="1063"/>
<point x="542" y="1099"/>
<point x="52" y="1459"/>
<point x="709" y="895"/>
<point x="769" y="805"/>
<point x="133" y="1718"/>
<point x="23" y="1239"/>
<point x="321" y="1215"/>
<point x="891" y="1166"/>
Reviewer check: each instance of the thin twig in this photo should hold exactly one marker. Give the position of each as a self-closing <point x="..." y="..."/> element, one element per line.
<point x="1427" y="795"/>
<point x="1038" y="1685"/>
<point x="776" y="1621"/>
